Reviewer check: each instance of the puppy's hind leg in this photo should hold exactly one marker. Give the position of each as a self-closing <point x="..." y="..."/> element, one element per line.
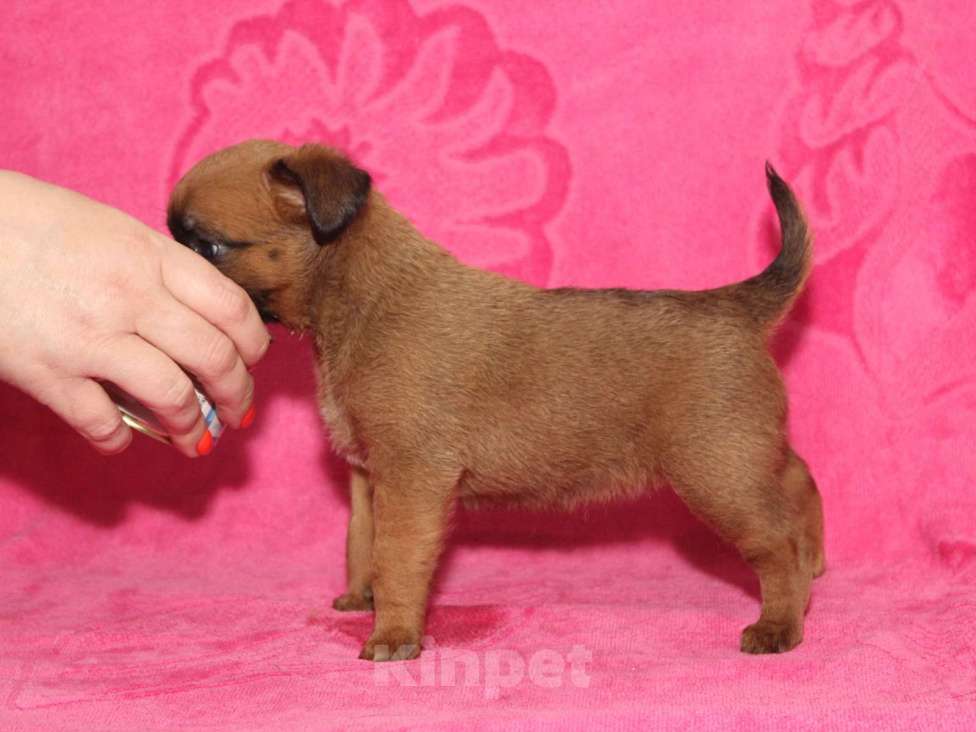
<point x="359" y="546"/>
<point x="801" y="489"/>
<point x="784" y="580"/>
<point x="760" y="516"/>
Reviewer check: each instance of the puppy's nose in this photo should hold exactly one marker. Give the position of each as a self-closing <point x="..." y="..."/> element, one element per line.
<point x="180" y="227"/>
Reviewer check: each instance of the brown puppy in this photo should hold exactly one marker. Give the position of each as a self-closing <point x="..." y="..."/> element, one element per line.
<point x="439" y="381"/>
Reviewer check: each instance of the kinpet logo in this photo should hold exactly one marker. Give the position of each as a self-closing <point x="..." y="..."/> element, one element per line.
<point x="492" y="670"/>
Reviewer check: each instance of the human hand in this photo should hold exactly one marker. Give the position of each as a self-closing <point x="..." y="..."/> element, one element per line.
<point x="89" y="294"/>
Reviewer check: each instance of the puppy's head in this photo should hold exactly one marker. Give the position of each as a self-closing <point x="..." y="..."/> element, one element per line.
<point x="264" y="213"/>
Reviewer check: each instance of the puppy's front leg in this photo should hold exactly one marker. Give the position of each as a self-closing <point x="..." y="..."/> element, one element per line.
<point x="411" y="515"/>
<point x="359" y="546"/>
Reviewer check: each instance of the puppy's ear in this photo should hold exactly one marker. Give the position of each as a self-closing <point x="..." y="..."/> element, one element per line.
<point x="321" y="186"/>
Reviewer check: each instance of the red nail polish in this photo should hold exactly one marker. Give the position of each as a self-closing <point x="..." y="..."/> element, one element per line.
<point x="206" y="444"/>
<point x="248" y="418"/>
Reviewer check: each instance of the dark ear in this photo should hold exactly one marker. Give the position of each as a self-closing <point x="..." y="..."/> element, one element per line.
<point x="321" y="185"/>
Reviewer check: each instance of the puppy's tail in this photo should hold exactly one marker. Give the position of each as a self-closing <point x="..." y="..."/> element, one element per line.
<point x="768" y="296"/>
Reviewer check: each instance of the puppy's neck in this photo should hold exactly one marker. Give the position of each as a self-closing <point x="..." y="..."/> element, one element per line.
<point x="372" y="272"/>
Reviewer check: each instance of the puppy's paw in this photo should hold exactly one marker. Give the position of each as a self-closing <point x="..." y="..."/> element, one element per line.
<point x="351" y="602"/>
<point x="396" y="644"/>
<point x="768" y="637"/>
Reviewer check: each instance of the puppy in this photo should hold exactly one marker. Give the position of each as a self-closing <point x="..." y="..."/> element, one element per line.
<point x="440" y="382"/>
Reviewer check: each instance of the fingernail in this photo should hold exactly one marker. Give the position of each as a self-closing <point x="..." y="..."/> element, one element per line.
<point x="205" y="445"/>
<point x="248" y="418"/>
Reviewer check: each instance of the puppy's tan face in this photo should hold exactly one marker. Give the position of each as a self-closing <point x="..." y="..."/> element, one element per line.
<point x="263" y="213"/>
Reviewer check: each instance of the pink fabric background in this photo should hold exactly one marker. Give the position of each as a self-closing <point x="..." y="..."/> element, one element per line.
<point x="597" y="144"/>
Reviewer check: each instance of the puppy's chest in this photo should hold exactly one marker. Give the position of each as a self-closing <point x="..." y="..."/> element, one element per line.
<point x="339" y="422"/>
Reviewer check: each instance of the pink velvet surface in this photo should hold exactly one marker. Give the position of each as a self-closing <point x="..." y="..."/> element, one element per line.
<point x="590" y="144"/>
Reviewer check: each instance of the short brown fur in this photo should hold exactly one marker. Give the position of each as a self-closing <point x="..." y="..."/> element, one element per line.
<point x="439" y="381"/>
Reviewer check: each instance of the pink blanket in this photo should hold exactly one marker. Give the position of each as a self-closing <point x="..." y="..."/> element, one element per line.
<point x="596" y="144"/>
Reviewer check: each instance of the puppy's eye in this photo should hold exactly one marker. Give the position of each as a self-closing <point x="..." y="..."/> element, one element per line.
<point x="208" y="249"/>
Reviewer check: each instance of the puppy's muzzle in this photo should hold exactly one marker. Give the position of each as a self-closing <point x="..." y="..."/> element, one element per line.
<point x="184" y="230"/>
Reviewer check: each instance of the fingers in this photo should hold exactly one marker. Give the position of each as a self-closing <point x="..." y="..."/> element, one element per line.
<point x="86" y="407"/>
<point x="157" y="383"/>
<point x="77" y="278"/>
<point x="205" y="351"/>
<point x="203" y="289"/>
